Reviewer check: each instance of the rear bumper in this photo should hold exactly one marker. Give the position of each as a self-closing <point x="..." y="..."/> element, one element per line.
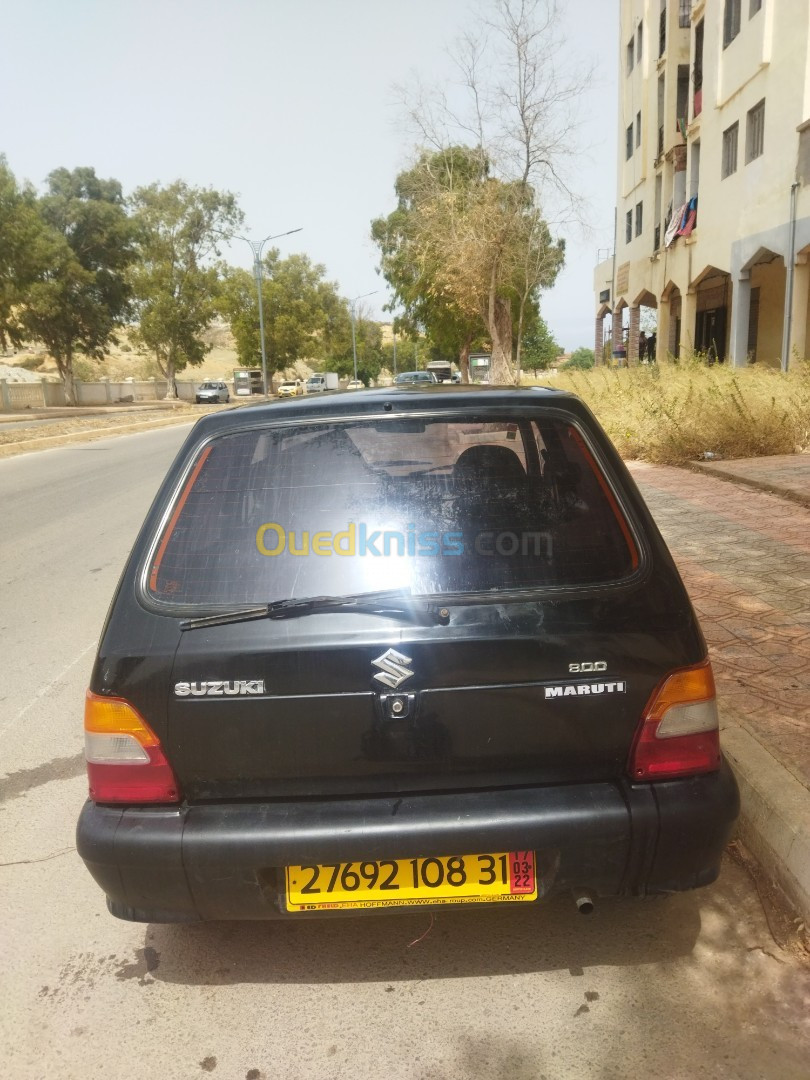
<point x="226" y="861"/>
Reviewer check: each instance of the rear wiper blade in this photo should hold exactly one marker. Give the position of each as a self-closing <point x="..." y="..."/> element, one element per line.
<point x="387" y="602"/>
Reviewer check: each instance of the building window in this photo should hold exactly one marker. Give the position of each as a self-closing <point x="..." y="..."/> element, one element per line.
<point x="684" y="13"/>
<point x="628" y="227"/>
<point x="682" y="98"/>
<point x="729" y="164"/>
<point x="755" y="132"/>
<point x="639" y="213"/>
<point x="638" y="128"/>
<point x="755" y="6"/>
<point x="803" y="166"/>
<point x="697" y="71"/>
<point x="639" y="39"/>
<point x="694" y="161"/>
<point x="629" y="144"/>
<point x="731" y="21"/>
<point x="631" y="53"/>
<point x="662" y="30"/>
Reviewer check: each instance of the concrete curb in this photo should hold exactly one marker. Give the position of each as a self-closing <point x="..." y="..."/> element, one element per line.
<point x="47" y="441"/>
<point x="774" y="819"/>
<point x="80" y="412"/>
<point x="747" y="481"/>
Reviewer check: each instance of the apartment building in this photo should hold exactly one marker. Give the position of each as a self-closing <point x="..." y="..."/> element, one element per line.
<point x="713" y="185"/>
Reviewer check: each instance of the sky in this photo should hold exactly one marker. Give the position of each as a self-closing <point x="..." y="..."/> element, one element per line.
<point x="290" y="104"/>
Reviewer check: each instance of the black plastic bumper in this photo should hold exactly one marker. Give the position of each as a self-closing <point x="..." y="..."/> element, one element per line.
<point x="226" y="861"/>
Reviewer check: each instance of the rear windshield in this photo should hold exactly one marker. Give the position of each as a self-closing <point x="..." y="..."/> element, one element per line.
<point x="433" y="506"/>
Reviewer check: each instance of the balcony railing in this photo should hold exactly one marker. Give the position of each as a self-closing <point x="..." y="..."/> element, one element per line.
<point x="662" y="33"/>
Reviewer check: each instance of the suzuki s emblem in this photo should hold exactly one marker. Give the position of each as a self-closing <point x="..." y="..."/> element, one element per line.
<point x="393" y="670"/>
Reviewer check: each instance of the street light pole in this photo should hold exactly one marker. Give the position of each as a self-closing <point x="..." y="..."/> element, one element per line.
<point x="354" y="337"/>
<point x="395" y="350"/>
<point x="257" y="246"/>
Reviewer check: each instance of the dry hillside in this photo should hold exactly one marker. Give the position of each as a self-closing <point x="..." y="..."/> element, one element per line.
<point x="126" y="360"/>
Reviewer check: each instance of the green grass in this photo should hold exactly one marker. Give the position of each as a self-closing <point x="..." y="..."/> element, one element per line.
<point x="674" y="412"/>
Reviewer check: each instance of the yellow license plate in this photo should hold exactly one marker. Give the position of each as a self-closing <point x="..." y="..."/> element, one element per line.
<point x="502" y="876"/>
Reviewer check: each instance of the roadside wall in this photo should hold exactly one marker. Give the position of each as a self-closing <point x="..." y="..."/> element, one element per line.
<point x="38" y="395"/>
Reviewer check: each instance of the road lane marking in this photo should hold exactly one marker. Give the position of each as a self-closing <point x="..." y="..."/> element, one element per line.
<point x="46" y="689"/>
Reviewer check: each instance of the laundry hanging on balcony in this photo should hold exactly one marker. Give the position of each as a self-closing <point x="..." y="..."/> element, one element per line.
<point x="689" y="218"/>
<point x="674" y="225"/>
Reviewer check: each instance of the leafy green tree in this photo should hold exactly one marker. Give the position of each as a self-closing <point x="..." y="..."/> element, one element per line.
<point x="412" y="269"/>
<point x="175" y="283"/>
<point x="303" y="315"/>
<point x="413" y="354"/>
<point x="581" y="359"/>
<point x="370" y="353"/>
<point x="85" y="295"/>
<point x="465" y="252"/>
<point x="26" y="251"/>
<point x="540" y="350"/>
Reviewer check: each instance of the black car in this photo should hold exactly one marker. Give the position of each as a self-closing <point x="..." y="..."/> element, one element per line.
<point x="415" y="646"/>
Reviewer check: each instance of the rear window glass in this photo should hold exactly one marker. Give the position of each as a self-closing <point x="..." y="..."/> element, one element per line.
<point x="435" y="506"/>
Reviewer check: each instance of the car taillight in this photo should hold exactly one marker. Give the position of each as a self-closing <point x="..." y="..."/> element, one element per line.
<point x="125" y="761"/>
<point x="678" y="734"/>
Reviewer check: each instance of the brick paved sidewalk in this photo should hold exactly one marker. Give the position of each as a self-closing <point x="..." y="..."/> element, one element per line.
<point x="745" y="558"/>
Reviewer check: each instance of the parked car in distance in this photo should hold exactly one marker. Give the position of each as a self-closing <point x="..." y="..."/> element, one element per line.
<point x="211" y="393"/>
<point x="355" y="384"/>
<point x="414" y="378"/>
<point x="394" y="649"/>
<point x="321" y="381"/>
<point x="290" y="388"/>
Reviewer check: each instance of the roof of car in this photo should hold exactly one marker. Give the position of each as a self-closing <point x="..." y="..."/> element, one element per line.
<point x="413" y="397"/>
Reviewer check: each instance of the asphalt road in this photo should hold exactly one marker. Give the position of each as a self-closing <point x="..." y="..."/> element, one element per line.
<point x="690" y="986"/>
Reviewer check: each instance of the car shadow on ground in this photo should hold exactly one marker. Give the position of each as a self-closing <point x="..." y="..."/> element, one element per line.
<point x="455" y="944"/>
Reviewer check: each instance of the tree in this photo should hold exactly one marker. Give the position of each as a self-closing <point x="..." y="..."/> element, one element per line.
<point x="26" y="252"/>
<point x="303" y="314"/>
<point x="85" y="295"/>
<point x="540" y="350"/>
<point x="413" y="353"/>
<point x="370" y="354"/>
<point x="411" y="268"/>
<point x="470" y="247"/>
<point x="514" y="111"/>
<point x="175" y="283"/>
<point x="581" y="359"/>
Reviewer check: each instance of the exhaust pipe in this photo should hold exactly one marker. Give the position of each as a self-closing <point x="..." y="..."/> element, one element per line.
<point x="584" y="902"/>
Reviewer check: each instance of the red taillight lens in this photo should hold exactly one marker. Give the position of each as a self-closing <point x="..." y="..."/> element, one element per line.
<point x="125" y="761"/>
<point x="678" y="734"/>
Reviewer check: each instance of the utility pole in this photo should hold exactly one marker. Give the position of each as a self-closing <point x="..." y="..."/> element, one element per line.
<point x="257" y="246"/>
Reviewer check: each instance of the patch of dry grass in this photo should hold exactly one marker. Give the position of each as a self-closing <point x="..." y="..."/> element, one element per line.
<point x="675" y="412"/>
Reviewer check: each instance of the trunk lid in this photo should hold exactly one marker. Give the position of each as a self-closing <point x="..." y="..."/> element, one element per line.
<point x="490" y="703"/>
